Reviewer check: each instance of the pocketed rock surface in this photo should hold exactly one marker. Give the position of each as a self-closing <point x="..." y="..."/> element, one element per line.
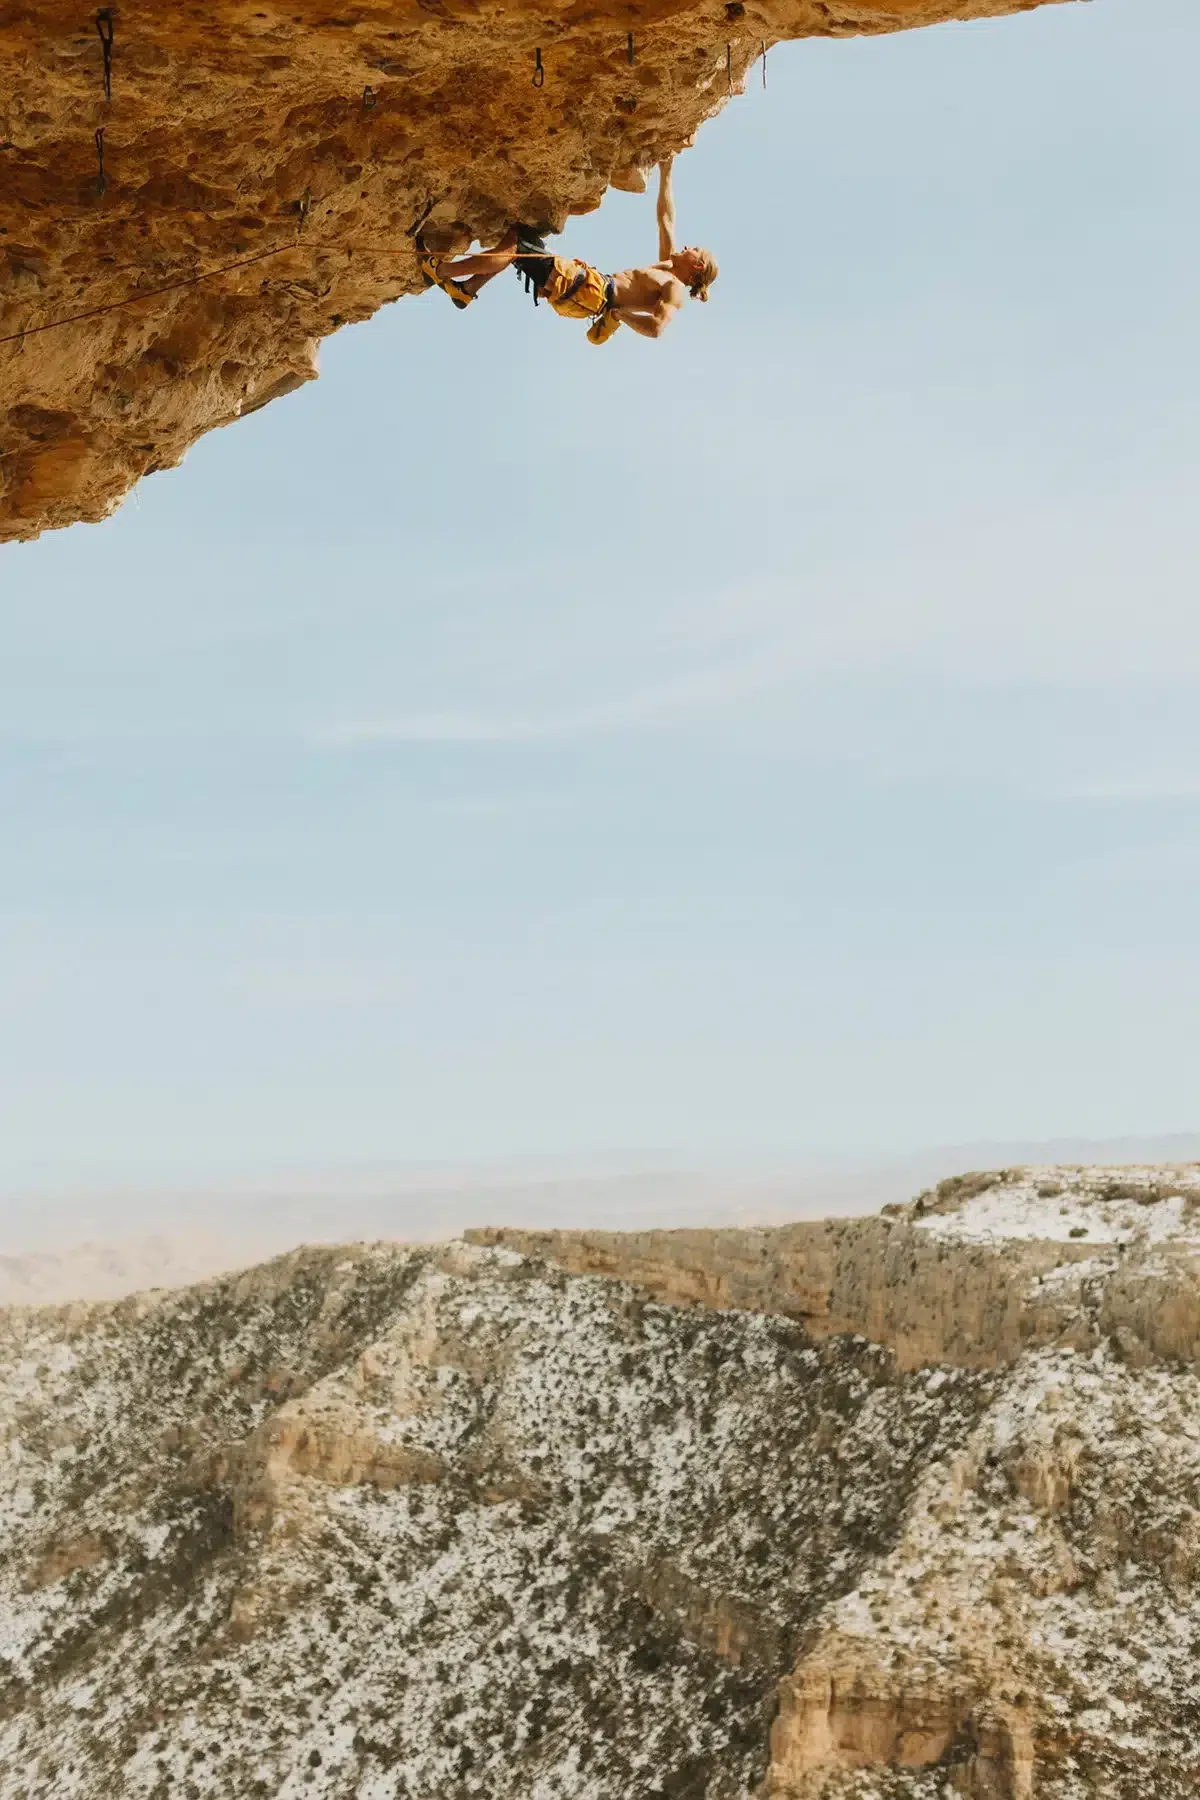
<point x="397" y="1524"/>
<point x="237" y="129"/>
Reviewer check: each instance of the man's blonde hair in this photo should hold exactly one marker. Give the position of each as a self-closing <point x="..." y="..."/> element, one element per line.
<point x="705" y="275"/>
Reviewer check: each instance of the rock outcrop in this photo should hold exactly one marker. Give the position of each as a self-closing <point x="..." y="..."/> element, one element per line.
<point x="298" y="153"/>
<point x="1031" y="1633"/>
<point x="1038" y="1256"/>
<point x="469" y="1520"/>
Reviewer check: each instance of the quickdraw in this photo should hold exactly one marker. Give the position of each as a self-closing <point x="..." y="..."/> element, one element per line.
<point x="421" y="217"/>
<point x="105" y="28"/>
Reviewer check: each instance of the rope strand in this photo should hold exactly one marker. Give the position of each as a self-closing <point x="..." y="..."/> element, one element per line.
<point x="170" y="287"/>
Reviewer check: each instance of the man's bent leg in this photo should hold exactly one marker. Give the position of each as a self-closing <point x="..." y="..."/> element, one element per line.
<point x="485" y="263"/>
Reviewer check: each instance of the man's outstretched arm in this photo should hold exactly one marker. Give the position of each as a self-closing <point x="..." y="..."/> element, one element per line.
<point x="666" y="211"/>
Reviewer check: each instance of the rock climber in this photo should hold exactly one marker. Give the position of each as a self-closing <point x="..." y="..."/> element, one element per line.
<point x="646" y="299"/>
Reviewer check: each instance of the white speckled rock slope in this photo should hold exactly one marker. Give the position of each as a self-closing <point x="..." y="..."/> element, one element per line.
<point x="413" y="1524"/>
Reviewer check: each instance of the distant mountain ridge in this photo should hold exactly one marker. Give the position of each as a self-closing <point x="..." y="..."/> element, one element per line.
<point x="96" y="1243"/>
<point x="109" y="1270"/>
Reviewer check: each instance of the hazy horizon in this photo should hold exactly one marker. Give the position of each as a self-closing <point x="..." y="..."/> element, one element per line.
<point x="616" y="1189"/>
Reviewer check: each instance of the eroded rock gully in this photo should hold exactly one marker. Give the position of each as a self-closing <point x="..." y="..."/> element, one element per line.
<point x="236" y="128"/>
<point x="397" y="1524"/>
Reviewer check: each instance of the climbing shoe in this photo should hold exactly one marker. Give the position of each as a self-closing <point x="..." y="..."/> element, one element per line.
<point x="431" y="274"/>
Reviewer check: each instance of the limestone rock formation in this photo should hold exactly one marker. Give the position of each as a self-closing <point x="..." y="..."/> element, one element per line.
<point x="1032" y="1634"/>
<point x="971" y="1274"/>
<point x="414" y="1523"/>
<point x="298" y="153"/>
<point x="394" y="1523"/>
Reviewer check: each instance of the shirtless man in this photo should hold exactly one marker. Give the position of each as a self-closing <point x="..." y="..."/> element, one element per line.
<point x="645" y="299"/>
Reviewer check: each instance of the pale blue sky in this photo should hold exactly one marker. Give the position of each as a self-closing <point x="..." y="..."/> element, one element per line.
<point x="782" y="735"/>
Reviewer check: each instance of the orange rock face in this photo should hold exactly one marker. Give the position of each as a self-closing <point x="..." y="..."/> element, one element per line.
<point x="297" y="153"/>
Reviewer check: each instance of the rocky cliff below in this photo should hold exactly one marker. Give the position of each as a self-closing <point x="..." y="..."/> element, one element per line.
<point x="895" y="1507"/>
<point x="204" y="193"/>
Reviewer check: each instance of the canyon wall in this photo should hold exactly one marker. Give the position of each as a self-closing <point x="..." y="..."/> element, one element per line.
<point x="1051" y="1256"/>
<point x="681" y="1516"/>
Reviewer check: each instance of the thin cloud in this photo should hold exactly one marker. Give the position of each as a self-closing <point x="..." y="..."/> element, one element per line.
<point x="661" y="705"/>
<point x="1147" y="789"/>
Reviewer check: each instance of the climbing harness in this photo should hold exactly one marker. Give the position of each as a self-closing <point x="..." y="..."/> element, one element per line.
<point x="575" y="290"/>
<point x="571" y="288"/>
<point x="368" y="99"/>
<point x="104" y="26"/>
<point x="539" y="73"/>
